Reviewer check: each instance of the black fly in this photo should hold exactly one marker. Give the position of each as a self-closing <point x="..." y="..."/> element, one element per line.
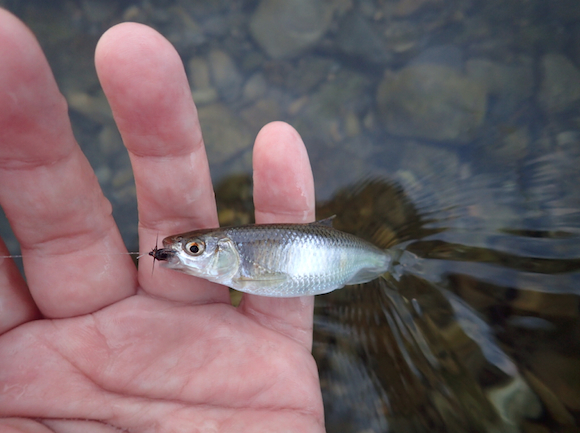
<point x="161" y="254"/>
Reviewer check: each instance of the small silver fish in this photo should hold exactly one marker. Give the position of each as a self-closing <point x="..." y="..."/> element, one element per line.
<point x="279" y="260"/>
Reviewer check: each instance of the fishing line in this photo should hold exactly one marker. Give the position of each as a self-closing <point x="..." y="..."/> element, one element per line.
<point x="132" y="253"/>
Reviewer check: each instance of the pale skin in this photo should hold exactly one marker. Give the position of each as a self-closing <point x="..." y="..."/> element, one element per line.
<point x="87" y="342"/>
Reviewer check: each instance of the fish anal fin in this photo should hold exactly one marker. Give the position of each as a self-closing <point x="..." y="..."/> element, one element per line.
<point x="364" y="276"/>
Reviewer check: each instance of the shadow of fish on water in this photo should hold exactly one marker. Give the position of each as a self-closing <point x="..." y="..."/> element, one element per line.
<point x="463" y="338"/>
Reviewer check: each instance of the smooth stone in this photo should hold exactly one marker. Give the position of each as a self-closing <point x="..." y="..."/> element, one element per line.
<point x="560" y="88"/>
<point x="225" y="135"/>
<point x="110" y="141"/>
<point x="322" y="116"/>
<point x="504" y="146"/>
<point x="357" y="37"/>
<point x="286" y="28"/>
<point x="515" y="401"/>
<point x="104" y="174"/>
<point x="255" y="87"/>
<point x="405" y="8"/>
<point x="133" y="13"/>
<point x="97" y="11"/>
<point x="205" y="96"/>
<point x="242" y="163"/>
<point x="260" y="113"/>
<point x="402" y="36"/>
<point x="569" y="141"/>
<point x="352" y="125"/>
<point x="514" y="145"/>
<point x="199" y="80"/>
<point x="300" y="77"/>
<point x="198" y="73"/>
<point x="224" y="74"/>
<point x="182" y="30"/>
<point x="125" y="194"/>
<point x="446" y="55"/>
<point x="432" y="102"/>
<point x="512" y="83"/>
<point x="122" y="178"/>
<point x="94" y="107"/>
<point x="216" y="26"/>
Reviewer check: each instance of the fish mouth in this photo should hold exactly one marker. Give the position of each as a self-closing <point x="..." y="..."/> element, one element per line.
<point x="162" y="254"/>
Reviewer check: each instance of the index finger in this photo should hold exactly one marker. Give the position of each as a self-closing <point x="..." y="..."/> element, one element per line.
<point x="49" y="191"/>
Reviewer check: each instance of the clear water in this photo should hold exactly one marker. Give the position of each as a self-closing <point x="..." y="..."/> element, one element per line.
<point x="452" y="127"/>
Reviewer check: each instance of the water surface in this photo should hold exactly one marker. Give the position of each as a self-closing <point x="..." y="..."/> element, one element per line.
<point x="450" y="127"/>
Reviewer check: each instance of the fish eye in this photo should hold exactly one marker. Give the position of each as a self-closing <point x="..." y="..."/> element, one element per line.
<point x="195" y="248"/>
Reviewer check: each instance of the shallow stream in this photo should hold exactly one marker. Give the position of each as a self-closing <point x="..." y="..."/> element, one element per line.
<point x="451" y="127"/>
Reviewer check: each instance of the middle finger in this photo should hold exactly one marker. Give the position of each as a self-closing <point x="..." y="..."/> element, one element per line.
<point x="145" y="83"/>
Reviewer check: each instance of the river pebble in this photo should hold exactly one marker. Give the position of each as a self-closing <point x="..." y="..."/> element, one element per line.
<point x="225" y="75"/>
<point x="225" y="135"/>
<point x="509" y="84"/>
<point x="200" y="81"/>
<point x="560" y="88"/>
<point x="255" y="87"/>
<point x="432" y="102"/>
<point x="359" y="38"/>
<point x="287" y="28"/>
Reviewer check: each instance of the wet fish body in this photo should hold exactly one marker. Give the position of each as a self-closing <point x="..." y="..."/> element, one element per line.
<point x="279" y="260"/>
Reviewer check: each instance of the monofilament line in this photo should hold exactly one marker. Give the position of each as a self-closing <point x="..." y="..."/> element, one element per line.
<point x="132" y="253"/>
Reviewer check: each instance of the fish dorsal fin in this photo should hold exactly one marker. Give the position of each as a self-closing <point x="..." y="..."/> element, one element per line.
<point x="326" y="221"/>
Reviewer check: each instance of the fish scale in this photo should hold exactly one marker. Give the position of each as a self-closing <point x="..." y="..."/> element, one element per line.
<point x="281" y="260"/>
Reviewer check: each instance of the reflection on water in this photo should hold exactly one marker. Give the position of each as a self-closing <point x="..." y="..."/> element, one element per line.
<point x="464" y="115"/>
<point x="479" y="334"/>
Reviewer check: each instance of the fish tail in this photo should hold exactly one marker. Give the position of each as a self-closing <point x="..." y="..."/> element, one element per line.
<point x="401" y="261"/>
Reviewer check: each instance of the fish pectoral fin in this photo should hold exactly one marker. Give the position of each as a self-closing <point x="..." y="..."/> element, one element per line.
<point x="263" y="281"/>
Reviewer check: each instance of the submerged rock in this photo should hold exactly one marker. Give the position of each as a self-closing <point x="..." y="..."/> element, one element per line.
<point x="225" y="135"/>
<point x="199" y="79"/>
<point x="432" y="102"/>
<point x="225" y="75"/>
<point x="509" y="84"/>
<point x="286" y="28"/>
<point x="560" y="87"/>
<point x="499" y="79"/>
<point x="323" y="116"/>
<point x="357" y="37"/>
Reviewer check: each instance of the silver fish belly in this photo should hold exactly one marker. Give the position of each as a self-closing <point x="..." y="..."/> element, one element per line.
<point x="278" y="260"/>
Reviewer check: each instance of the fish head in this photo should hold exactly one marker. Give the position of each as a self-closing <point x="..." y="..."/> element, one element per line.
<point x="208" y="255"/>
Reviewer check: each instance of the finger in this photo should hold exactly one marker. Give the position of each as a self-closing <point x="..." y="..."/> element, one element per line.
<point x="144" y="80"/>
<point x="16" y="304"/>
<point x="22" y="425"/>
<point x="49" y="191"/>
<point x="283" y="193"/>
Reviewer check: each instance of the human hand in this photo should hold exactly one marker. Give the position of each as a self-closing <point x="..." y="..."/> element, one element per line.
<point x="88" y="343"/>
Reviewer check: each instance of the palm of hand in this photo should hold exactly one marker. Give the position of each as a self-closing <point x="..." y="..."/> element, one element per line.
<point x="144" y="364"/>
<point x="87" y="342"/>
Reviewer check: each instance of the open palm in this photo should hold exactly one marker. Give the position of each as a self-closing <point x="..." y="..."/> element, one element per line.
<point x="87" y="342"/>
